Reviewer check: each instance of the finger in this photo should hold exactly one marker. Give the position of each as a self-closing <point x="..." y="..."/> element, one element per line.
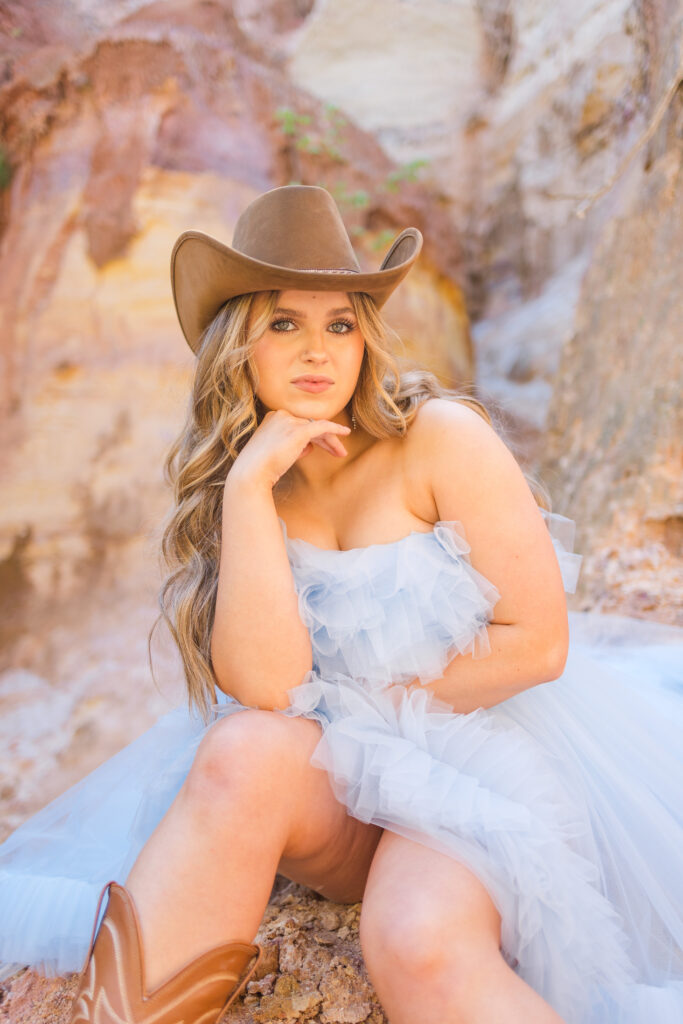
<point x="323" y="443"/>
<point x="334" y="437"/>
<point x="338" y="447"/>
<point x="331" y="444"/>
<point x="329" y="426"/>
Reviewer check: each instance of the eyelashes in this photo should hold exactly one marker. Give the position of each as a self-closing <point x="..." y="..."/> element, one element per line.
<point x="349" y="324"/>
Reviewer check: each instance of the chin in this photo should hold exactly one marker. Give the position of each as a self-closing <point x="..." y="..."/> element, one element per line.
<point x="317" y="409"/>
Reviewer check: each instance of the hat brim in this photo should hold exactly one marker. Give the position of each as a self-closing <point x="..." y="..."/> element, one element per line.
<point x="205" y="273"/>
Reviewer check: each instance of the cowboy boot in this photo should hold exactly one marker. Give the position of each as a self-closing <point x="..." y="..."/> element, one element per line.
<point x="111" y="987"/>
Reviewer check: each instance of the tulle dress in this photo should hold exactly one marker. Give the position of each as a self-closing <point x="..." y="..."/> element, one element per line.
<point x="565" y="800"/>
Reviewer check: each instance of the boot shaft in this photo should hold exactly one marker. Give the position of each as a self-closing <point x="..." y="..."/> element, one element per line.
<point x="112" y="990"/>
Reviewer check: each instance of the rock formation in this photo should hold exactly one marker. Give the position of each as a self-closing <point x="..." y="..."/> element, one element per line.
<point x="539" y="150"/>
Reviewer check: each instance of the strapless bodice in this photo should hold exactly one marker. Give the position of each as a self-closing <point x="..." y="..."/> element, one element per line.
<point x="391" y="612"/>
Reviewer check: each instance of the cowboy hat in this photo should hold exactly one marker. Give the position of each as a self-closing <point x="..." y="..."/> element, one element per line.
<point x="292" y="236"/>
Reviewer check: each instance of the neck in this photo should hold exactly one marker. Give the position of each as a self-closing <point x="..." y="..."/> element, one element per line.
<point x="319" y="470"/>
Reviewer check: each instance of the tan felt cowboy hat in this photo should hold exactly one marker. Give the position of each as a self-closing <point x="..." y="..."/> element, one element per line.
<point x="289" y="237"/>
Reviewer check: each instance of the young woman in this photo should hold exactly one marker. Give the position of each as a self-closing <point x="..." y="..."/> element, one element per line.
<point x="384" y="701"/>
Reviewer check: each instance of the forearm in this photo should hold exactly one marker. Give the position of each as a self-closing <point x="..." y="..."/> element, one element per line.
<point x="260" y="647"/>
<point x="517" y="661"/>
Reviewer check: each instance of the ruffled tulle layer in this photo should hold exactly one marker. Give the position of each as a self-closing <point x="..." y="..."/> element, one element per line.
<point x="393" y="611"/>
<point x="402" y="610"/>
<point x="53" y="867"/>
<point x="564" y="800"/>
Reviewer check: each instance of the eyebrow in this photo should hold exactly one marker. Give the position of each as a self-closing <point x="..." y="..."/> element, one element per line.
<point x="300" y="312"/>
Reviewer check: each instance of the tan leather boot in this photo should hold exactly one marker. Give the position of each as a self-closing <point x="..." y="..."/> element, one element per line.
<point x="111" y="988"/>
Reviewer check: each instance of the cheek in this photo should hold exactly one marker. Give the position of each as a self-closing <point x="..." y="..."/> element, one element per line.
<point x="267" y="358"/>
<point x="357" y="354"/>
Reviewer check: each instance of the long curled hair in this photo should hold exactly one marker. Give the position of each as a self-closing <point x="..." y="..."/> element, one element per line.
<point x="223" y="412"/>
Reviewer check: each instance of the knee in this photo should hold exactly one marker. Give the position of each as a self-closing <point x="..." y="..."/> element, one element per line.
<point x="422" y="937"/>
<point x="245" y="754"/>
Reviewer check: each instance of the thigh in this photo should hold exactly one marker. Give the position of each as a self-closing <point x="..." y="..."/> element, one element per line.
<point x="424" y="902"/>
<point x="330" y="851"/>
<point x="325" y="848"/>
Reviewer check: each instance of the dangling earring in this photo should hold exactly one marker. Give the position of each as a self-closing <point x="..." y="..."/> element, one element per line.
<point x="353" y="422"/>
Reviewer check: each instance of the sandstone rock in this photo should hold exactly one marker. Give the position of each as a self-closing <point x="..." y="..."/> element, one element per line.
<point x="524" y="112"/>
<point x="614" y="450"/>
<point x="122" y="126"/>
<point x="521" y="109"/>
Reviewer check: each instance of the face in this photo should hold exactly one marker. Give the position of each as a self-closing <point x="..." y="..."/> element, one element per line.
<point x="310" y="334"/>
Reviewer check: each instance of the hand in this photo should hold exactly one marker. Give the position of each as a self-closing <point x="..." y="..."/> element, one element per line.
<point x="280" y="440"/>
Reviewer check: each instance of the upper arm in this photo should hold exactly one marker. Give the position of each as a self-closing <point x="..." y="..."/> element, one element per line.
<point x="474" y="478"/>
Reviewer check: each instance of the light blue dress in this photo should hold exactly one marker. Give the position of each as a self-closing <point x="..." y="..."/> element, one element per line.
<point x="565" y="800"/>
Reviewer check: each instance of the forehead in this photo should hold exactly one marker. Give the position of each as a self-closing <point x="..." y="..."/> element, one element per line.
<point x="309" y="298"/>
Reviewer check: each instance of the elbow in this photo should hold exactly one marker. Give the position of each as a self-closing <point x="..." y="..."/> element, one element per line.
<point x="555" y="658"/>
<point x="279" y="703"/>
<point x="227" y="678"/>
<point x="278" y="699"/>
<point x="548" y="639"/>
<point x="546" y="652"/>
<point x="554" y="666"/>
<point x="258" y="697"/>
<point x="262" y="691"/>
<point x="222" y="676"/>
<point x="225" y="685"/>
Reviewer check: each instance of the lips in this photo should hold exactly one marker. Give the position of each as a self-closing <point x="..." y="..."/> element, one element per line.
<point x="311" y="378"/>
<point x="313" y="384"/>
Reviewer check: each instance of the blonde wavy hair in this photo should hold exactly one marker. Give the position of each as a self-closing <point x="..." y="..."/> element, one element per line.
<point x="223" y="412"/>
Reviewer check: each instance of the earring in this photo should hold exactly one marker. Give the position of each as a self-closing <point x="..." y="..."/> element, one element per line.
<point x="353" y="422"/>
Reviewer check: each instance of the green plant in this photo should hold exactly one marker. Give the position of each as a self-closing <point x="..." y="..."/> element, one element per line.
<point x="297" y="127"/>
<point x="5" y="168"/>
<point x="290" y="120"/>
<point x="292" y="124"/>
<point x="406" y="172"/>
<point x="358" y="199"/>
<point x="337" y="122"/>
<point x="382" y="239"/>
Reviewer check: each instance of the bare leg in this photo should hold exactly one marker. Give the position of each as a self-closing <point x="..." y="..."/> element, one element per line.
<point x="204" y="876"/>
<point x="431" y="942"/>
<point x="490" y="991"/>
<point x="250" y="801"/>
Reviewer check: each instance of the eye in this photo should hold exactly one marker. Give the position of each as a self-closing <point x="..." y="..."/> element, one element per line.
<point x="275" y="323"/>
<point x="347" y="323"/>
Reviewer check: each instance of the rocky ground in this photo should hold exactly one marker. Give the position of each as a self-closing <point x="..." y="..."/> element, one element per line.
<point x="311" y="970"/>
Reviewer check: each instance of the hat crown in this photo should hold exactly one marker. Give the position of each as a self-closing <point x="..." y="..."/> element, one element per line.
<point x="292" y="236"/>
<point x="297" y="227"/>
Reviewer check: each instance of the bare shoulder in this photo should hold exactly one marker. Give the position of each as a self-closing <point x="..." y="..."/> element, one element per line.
<point x="474" y="479"/>
<point x="439" y="433"/>
<point x="470" y="469"/>
<point x="449" y="436"/>
<point x="435" y="415"/>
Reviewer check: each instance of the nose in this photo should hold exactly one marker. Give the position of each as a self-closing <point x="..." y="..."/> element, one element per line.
<point x="314" y="344"/>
